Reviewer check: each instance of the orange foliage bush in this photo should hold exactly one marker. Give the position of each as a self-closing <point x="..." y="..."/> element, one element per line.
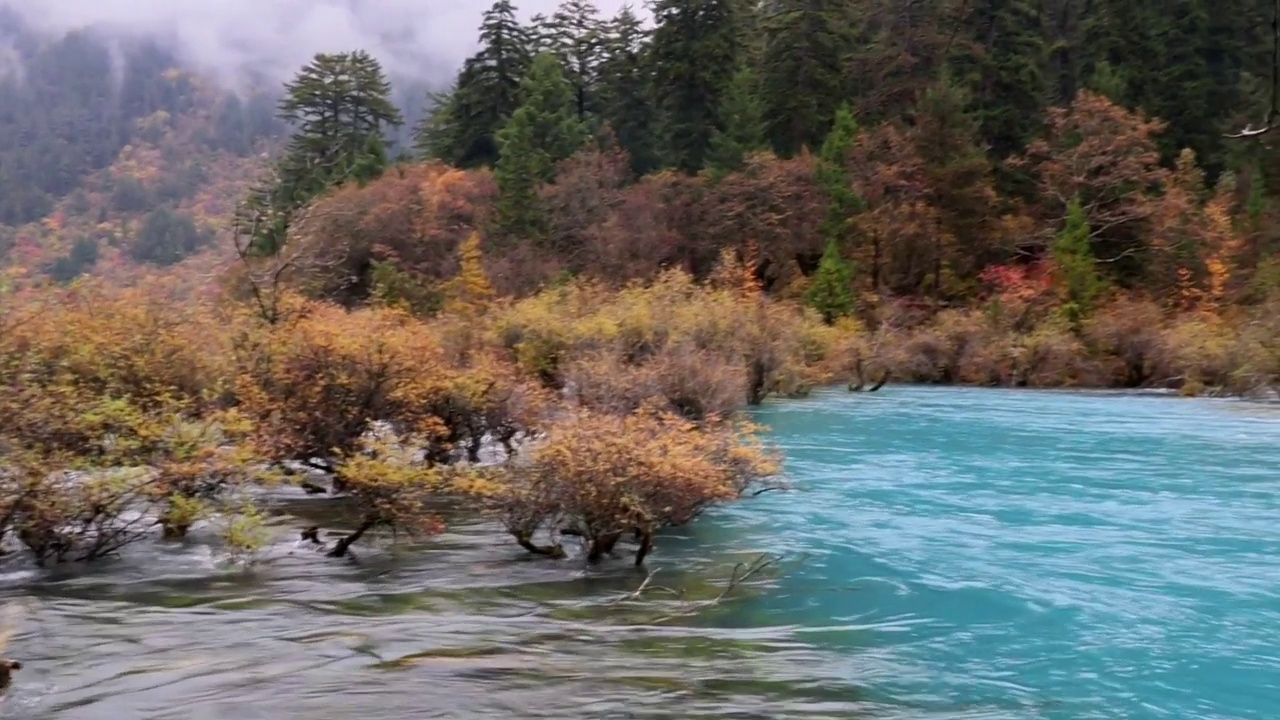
<point x="599" y="476"/>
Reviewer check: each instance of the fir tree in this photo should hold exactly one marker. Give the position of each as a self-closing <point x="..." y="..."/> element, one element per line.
<point x="339" y="106"/>
<point x="1077" y="269"/>
<point x="544" y="130"/>
<point x="624" y="90"/>
<point x="831" y="291"/>
<point x="805" y="44"/>
<point x="833" y="175"/>
<point x="694" y="55"/>
<point x="577" y="36"/>
<point x="946" y="137"/>
<point x="743" y="131"/>
<point x="463" y="131"/>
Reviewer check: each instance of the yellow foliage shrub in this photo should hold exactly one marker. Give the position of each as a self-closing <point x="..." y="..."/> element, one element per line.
<point x="599" y="476"/>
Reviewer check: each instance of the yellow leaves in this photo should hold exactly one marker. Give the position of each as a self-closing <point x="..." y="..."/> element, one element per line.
<point x="605" y="473"/>
<point x="470" y="292"/>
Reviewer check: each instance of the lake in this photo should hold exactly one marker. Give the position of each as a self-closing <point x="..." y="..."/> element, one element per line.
<point x="945" y="553"/>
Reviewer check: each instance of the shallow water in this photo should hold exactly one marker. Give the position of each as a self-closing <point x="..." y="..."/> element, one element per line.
<point x="947" y="554"/>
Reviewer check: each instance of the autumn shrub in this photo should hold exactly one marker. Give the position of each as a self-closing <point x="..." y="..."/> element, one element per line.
<point x="600" y="476"/>
<point x="664" y="339"/>
<point x="1126" y="337"/>
<point x="101" y="388"/>
<point x="371" y="397"/>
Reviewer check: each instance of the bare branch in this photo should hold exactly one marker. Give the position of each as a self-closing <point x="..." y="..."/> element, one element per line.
<point x="1273" y="110"/>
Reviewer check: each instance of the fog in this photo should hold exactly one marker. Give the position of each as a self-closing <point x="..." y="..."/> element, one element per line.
<point x="420" y="39"/>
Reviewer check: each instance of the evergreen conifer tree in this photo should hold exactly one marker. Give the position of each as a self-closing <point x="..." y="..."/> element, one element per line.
<point x="544" y="130"/>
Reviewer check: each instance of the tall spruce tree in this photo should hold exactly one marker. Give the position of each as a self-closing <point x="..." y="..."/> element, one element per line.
<point x="833" y="175"/>
<point x="544" y="130"/>
<point x="946" y="137"/>
<point x="463" y="130"/>
<point x="1077" y="269"/>
<point x="694" y="56"/>
<point x="338" y="106"/>
<point x="1005" y="61"/>
<point x="805" y="45"/>
<point x="624" y="90"/>
<point x="578" y="38"/>
<point x="743" y="129"/>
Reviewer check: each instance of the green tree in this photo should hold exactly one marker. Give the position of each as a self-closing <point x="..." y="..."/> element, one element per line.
<point x="167" y="237"/>
<point x="694" y="56"/>
<point x="625" y="83"/>
<point x="544" y="130"/>
<point x="743" y="130"/>
<point x="463" y="130"/>
<point x="577" y="36"/>
<point x="805" y="44"/>
<point x="946" y="136"/>
<point x="338" y="106"/>
<point x="1077" y="270"/>
<point x="1005" y="65"/>
<point x="833" y="175"/>
<point x="831" y="291"/>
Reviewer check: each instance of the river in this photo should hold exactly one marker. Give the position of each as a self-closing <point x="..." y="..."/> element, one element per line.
<point x="945" y="553"/>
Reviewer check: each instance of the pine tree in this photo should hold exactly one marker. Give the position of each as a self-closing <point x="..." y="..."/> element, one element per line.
<point x="577" y="36"/>
<point x="833" y="175"/>
<point x="805" y="44"/>
<point x="831" y="291"/>
<point x="544" y="130"/>
<point x="743" y="130"/>
<point x="694" y="55"/>
<point x="946" y="137"/>
<point x="624" y="96"/>
<point x="1006" y="64"/>
<point x="339" y="107"/>
<point x="1077" y="270"/>
<point x="463" y="130"/>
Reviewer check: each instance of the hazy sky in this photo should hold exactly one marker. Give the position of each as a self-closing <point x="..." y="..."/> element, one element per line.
<point x="425" y="39"/>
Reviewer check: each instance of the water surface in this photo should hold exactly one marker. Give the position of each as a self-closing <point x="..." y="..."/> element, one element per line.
<point x="948" y="553"/>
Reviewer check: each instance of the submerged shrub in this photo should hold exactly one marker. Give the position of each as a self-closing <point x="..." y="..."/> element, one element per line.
<point x="602" y="476"/>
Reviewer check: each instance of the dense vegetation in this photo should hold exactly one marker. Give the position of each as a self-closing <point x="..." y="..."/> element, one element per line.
<point x="616" y="238"/>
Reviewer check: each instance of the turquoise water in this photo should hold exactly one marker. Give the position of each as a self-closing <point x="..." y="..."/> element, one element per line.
<point x="947" y="553"/>
<point x="1007" y="554"/>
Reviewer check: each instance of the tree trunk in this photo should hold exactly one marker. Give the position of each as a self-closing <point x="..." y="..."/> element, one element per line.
<point x="646" y="544"/>
<point x="343" y="544"/>
<point x="526" y="542"/>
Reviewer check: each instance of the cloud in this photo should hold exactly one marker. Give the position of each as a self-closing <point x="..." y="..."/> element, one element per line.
<point x="421" y="39"/>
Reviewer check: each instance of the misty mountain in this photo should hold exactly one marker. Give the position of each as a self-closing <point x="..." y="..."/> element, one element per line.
<point x="247" y="40"/>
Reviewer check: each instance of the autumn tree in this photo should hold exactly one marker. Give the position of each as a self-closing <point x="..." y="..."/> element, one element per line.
<point x="603" y="477"/>
<point x="1106" y="158"/>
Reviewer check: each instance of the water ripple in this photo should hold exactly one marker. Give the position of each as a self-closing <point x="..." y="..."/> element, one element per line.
<point x="957" y="554"/>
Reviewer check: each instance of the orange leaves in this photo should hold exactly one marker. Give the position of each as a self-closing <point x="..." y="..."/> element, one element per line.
<point x="317" y="384"/>
<point x="1101" y="153"/>
<point x="601" y="475"/>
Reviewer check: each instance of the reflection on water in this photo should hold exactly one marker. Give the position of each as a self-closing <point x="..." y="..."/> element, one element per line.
<point x="949" y="554"/>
